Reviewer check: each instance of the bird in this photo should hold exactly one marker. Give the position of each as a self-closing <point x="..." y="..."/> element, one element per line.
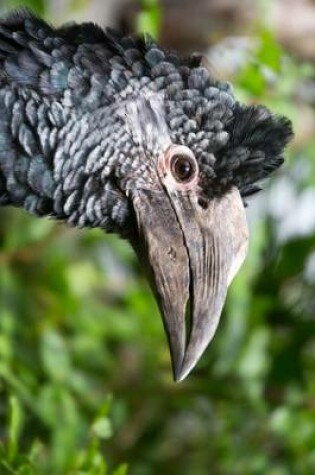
<point x="99" y="129"/>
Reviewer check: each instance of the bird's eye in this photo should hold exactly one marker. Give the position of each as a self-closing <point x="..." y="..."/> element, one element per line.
<point x="183" y="168"/>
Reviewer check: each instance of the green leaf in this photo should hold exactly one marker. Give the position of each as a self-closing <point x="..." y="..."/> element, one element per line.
<point x="150" y="17"/>
<point x="15" y="427"/>
<point x="252" y="79"/>
<point x="269" y="52"/>
<point x="55" y="356"/>
<point x="121" y="470"/>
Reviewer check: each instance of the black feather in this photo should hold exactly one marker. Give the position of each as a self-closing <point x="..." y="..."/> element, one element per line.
<point x="255" y="148"/>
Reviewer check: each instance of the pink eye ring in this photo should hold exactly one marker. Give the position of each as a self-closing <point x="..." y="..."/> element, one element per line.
<point x="178" y="168"/>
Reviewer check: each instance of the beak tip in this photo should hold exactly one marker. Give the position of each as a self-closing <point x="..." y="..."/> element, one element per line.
<point x="177" y="373"/>
<point x="189" y="362"/>
<point x="179" y="378"/>
<point x="181" y="373"/>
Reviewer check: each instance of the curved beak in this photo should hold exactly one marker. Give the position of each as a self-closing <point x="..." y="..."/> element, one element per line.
<point x="191" y="255"/>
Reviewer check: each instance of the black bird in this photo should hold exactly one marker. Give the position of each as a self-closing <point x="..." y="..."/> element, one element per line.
<point x="104" y="130"/>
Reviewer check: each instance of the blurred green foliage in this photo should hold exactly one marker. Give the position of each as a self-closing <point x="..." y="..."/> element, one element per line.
<point x="37" y="6"/>
<point x="150" y="17"/>
<point x="85" y="382"/>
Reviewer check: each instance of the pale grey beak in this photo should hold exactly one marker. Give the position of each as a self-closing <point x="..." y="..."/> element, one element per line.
<point x="191" y="255"/>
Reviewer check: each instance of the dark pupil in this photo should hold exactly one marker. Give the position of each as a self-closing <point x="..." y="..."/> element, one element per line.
<point x="183" y="168"/>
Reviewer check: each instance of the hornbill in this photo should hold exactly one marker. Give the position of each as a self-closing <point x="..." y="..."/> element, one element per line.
<point x="104" y="130"/>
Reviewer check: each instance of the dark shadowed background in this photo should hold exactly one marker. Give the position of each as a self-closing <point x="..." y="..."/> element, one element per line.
<point x="85" y="379"/>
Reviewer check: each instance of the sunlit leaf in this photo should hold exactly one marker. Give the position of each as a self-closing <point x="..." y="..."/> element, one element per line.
<point x="102" y="428"/>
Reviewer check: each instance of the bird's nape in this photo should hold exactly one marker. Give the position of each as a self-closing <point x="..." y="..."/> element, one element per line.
<point x="102" y="130"/>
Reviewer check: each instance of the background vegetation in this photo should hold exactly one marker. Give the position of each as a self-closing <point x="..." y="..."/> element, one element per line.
<point x="85" y="381"/>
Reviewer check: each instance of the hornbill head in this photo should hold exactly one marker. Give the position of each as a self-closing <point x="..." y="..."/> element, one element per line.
<point x="196" y="161"/>
<point x="103" y="130"/>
